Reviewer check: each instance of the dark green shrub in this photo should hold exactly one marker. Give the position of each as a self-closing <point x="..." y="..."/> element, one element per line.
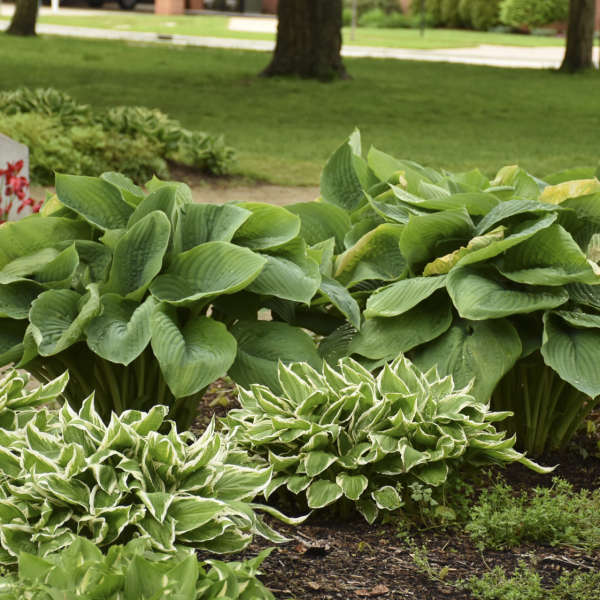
<point x="449" y="13"/>
<point x="533" y="13"/>
<point x="394" y="20"/>
<point x="363" y="6"/>
<point x="480" y="14"/>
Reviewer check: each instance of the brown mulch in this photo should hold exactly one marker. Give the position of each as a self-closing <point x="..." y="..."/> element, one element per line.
<point x="337" y="560"/>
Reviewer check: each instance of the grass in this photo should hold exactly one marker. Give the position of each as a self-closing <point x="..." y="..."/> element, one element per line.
<point x="217" y="26"/>
<point x="453" y="116"/>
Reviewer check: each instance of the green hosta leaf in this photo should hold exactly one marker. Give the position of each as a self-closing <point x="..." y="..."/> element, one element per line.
<point x="206" y="271"/>
<point x="30" y="264"/>
<point x="132" y="194"/>
<point x="122" y="331"/>
<point x="138" y="256"/>
<point x="11" y="340"/>
<point x="268" y="226"/>
<point x="340" y="297"/>
<point x="190" y="356"/>
<point x="163" y="199"/>
<point x="200" y="223"/>
<point x="288" y="273"/>
<point x="389" y="337"/>
<point x="509" y="209"/>
<point x="262" y="344"/>
<point x="97" y="201"/>
<point x="587" y="295"/>
<point x="352" y="485"/>
<point x="398" y="298"/>
<point x="322" y="493"/>
<point x="58" y="318"/>
<point x="375" y="256"/>
<point x="428" y="236"/>
<point x="59" y="272"/>
<point x="382" y="164"/>
<point x="387" y="498"/>
<point x="183" y="193"/>
<point x="340" y="183"/>
<point x="483" y="350"/>
<point x="550" y="257"/>
<point x="34" y="234"/>
<point x="570" y="174"/>
<point x="524" y="185"/>
<point x="572" y="351"/>
<point x="16" y="298"/>
<point x="321" y="221"/>
<point x="479" y="294"/>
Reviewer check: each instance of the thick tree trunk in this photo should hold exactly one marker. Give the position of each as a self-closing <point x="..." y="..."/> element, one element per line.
<point x="580" y="36"/>
<point x="309" y="40"/>
<point x="23" y="21"/>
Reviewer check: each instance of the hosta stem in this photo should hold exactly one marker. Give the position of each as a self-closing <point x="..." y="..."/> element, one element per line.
<point x="547" y="410"/>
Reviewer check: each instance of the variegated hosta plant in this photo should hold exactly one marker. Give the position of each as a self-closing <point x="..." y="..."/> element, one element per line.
<point x="344" y="433"/>
<point x="64" y="473"/>
<point x="130" y="572"/>
<point x="135" y="293"/>
<point x="492" y="279"/>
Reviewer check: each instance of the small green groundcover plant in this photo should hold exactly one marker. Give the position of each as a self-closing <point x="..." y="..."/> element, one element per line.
<point x="137" y="293"/>
<point x="492" y="279"/>
<point x="65" y="136"/>
<point x="345" y="435"/>
<point x="130" y="572"/>
<point x="64" y="474"/>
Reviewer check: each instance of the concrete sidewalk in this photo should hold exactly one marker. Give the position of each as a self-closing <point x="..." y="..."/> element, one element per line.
<point x="539" y="57"/>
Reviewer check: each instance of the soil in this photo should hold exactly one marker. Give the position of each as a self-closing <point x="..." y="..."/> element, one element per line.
<point x="336" y="560"/>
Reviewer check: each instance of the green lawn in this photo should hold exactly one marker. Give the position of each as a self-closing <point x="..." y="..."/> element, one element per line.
<point x="453" y="116"/>
<point x="216" y="26"/>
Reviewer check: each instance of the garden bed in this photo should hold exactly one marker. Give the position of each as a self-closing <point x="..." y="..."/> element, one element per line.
<point x="332" y="559"/>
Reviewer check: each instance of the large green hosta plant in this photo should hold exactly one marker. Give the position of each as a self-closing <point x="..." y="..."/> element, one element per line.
<point x="493" y="280"/>
<point x="138" y="294"/>
<point x="344" y="435"/>
<point x="65" y="473"/>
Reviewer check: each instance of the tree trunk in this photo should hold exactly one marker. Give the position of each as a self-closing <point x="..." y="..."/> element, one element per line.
<point x="580" y="36"/>
<point x="309" y="40"/>
<point x="24" y="18"/>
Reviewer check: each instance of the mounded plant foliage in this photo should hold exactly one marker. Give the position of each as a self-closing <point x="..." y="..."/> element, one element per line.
<point x="130" y="572"/>
<point x="345" y="434"/>
<point x="64" y="474"/>
<point x="139" y="295"/>
<point x="483" y="278"/>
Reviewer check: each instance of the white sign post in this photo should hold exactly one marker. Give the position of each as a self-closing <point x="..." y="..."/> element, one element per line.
<point x="12" y="152"/>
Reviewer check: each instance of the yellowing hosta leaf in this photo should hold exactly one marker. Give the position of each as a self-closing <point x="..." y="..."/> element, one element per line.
<point x="556" y="194"/>
<point x="444" y="264"/>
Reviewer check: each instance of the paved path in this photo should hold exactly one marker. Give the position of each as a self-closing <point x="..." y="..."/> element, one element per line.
<point x="539" y="57"/>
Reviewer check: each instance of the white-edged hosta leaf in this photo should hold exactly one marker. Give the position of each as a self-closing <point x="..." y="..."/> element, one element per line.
<point x="200" y="223"/>
<point x="288" y="273"/>
<point x="318" y="461"/>
<point x="122" y="330"/>
<point x="97" y="201"/>
<point x="388" y="337"/>
<point x="193" y="356"/>
<point x="368" y="509"/>
<point x="321" y="221"/>
<point x="387" y="498"/>
<point x="190" y="513"/>
<point x="572" y="352"/>
<point x="322" y="492"/>
<point x="550" y="257"/>
<point x="262" y="344"/>
<point x="58" y="318"/>
<point x="241" y="483"/>
<point x="376" y="255"/>
<point x="352" y="485"/>
<point x="478" y="293"/>
<point x="433" y="474"/>
<point x="208" y="270"/>
<point x="138" y="256"/>
<point x="483" y="350"/>
<point x="398" y="298"/>
<point x="267" y="226"/>
<point x="156" y="502"/>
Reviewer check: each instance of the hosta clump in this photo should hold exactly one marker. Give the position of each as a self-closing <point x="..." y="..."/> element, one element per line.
<point x="66" y="473"/>
<point x="344" y="433"/>
<point x="485" y="278"/>
<point x="137" y="294"/>
<point x="130" y="572"/>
